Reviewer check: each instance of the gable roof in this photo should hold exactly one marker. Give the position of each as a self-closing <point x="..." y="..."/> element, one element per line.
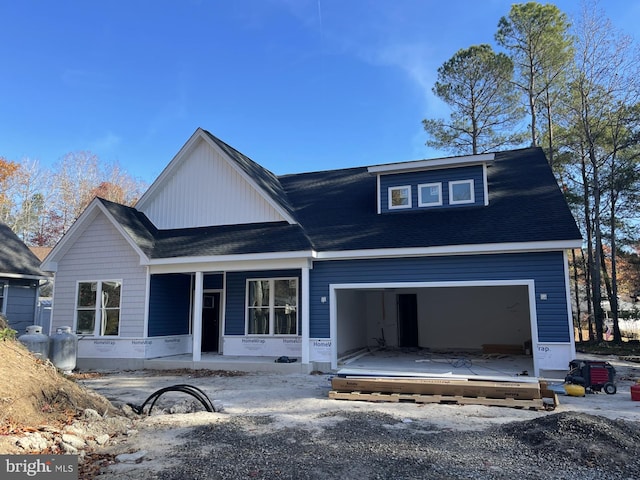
<point x="16" y="260"/>
<point x="257" y="178"/>
<point x="336" y="212"/>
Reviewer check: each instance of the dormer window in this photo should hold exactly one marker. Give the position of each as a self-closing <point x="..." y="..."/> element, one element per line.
<point x="400" y="197"/>
<point x="430" y="194"/>
<point x="461" y="192"/>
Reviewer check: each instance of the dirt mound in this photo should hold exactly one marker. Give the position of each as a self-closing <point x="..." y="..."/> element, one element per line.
<point x="597" y="441"/>
<point x="34" y="393"/>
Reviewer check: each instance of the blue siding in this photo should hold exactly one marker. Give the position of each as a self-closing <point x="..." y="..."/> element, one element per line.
<point x="21" y="304"/>
<point x="213" y="281"/>
<point x="170" y="296"/>
<point x="236" y="297"/>
<point x="443" y="176"/>
<point x="546" y="269"/>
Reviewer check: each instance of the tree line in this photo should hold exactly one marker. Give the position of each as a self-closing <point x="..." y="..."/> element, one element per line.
<point x="40" y="204"/>
<point x="571" y="87"/>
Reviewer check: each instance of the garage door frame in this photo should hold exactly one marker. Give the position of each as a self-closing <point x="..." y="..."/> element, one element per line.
<point x="335" y="287"/>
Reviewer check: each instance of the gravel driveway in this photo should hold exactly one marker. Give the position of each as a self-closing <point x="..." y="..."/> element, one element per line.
<point x="285" y="427"/>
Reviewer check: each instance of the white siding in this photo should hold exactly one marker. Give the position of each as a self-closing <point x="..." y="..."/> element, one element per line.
<point x="101" y="253"/>
<point x="205" y="190"/>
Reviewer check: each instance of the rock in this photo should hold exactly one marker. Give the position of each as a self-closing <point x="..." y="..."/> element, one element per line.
<point x="69" y="449"/>
<point x="32" y="442"/>
<point x="135" y="457"/>
<point x="92" y="415"/>
<point x="73" y="440"/>
<point x="75" y="429"/>
<point x="131" y="433"/>
<point x="102" y="439"/>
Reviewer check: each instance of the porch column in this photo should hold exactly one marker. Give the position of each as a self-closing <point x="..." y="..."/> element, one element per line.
<point x="305" y="314"/>
<point x="197" y="318"/>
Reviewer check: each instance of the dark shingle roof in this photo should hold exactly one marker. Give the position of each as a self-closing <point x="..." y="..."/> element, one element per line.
<point x="336" y="211"/>
<point x="205" y="241"/>
<point x="15" y="256"/>
<point x="135" y="223"/>
<point x="231" y="240"/>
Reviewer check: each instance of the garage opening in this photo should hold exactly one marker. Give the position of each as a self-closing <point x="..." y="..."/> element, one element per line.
<point x="441" y="318"/>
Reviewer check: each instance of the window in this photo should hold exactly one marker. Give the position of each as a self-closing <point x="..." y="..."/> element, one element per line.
<point x="429" y="194"/>
<point x="272" y="306"/>
<point x="461" y="192"/>
<point x="400" y="197"/>
<point x="98" y="308"/>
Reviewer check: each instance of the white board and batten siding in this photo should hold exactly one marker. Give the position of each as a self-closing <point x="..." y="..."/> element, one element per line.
<point x="101" y="253"/>
<point x="205" y="190"/>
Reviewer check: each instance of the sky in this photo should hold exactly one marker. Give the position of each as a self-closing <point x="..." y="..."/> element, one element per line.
<point x="297" y="85"/>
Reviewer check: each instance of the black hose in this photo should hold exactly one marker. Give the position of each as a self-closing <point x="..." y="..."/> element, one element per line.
<point x="188" y="389"/>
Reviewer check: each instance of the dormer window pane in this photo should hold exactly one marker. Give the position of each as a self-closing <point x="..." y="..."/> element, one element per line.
<point x="461" y="192"/>
<point x="400" y="197"/>
<point x="430" y="194"/>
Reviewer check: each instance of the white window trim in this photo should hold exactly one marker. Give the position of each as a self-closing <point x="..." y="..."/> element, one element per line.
<point x="272" y="307"/>
<point x="430" y="204"/>
<point x="390" y="195"/>
<point x="97" y="325"/>
<point x="461" y="182"/>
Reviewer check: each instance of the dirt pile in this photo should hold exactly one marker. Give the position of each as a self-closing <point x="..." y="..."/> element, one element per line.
<point x="33" y="393"/>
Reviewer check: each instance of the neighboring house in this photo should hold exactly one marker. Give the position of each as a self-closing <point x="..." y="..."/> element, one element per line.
<point x="221" y="255"/>
<point x="20" y="278"/>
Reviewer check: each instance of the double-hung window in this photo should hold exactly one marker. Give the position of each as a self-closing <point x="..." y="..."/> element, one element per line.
<point x="98" y="308"/>
<point x="461" y="192"/>
<point x="430" y="194"/>
<point x="272" y="306"/>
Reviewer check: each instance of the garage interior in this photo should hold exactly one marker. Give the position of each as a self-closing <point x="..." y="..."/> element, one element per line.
<point x="472" y="330"/>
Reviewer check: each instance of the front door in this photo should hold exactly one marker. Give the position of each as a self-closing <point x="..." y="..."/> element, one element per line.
<point x="407" y="320"/>
<point x="210" y="321"/>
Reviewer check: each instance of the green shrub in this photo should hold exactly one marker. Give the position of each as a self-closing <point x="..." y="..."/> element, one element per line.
<point x="8" y="334"/>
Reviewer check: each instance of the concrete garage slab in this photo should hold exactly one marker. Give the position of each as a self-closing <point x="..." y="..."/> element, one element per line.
<point x="420" y="361"/>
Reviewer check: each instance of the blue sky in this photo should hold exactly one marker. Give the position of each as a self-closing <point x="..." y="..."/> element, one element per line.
<point x="297" y="85"/>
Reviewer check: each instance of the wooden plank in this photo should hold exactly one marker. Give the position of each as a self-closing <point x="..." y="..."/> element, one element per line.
<point x="365" y="373"/>
<point x="469" y="388"/>
<point x="534" y="404"/>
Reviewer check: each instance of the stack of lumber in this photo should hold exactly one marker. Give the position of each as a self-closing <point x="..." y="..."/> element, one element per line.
<point x="529" y="394"/>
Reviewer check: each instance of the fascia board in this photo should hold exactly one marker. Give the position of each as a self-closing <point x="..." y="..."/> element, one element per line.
<point x="302" y="255"/>
<point x="25" y="277"/>
<point x="432" y="163"/>
<point x="452" y="250"/>
<point x="239" y="265"/>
